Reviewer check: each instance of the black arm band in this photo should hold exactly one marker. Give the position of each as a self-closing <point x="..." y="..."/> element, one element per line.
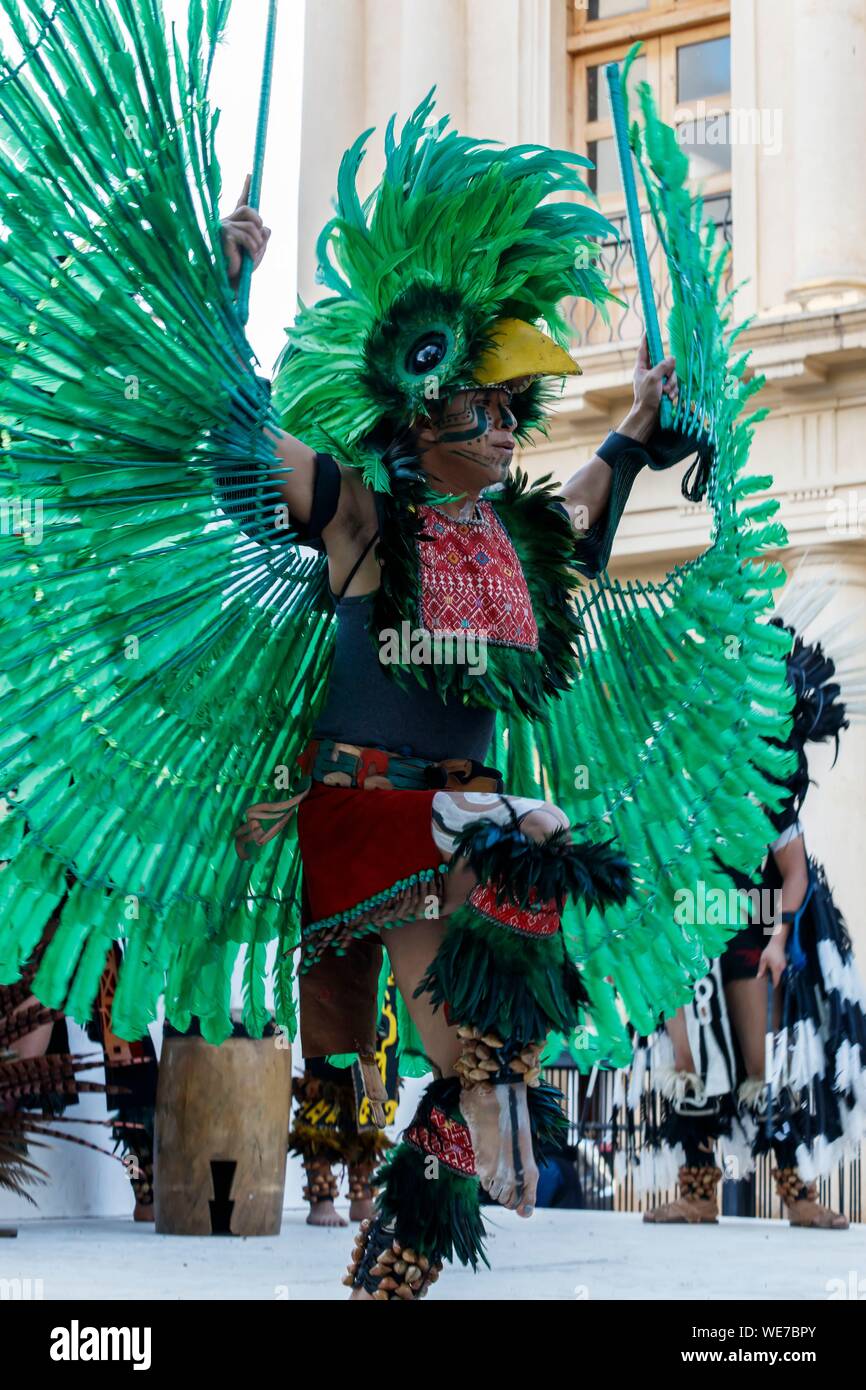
<point x="249" y="495"/>
<point x="625" y="457"/>
<point x="615" y="446"/>
<point x="323" y="508"/>
<point x="662" y="450"/>
<point x="326" y="497"/>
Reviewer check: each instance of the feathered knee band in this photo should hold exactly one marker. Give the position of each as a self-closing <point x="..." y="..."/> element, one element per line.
<point x="503" y="969"/>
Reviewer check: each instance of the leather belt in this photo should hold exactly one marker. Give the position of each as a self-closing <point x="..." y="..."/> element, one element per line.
<point x="371" y="769"/>
<point x="348" y="765"/>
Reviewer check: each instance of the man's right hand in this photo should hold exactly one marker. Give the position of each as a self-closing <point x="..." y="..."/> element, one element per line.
<point x="243" y="230"/>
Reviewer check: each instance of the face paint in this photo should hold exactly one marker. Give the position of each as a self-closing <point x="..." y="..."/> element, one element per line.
<point x="474" y="439"/>
<point x="470" y="414"/>
<point x="459" y="427"/>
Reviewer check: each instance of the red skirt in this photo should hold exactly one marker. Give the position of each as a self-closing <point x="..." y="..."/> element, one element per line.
<point x="356" y="844"/>
<point x="360" y="851"/>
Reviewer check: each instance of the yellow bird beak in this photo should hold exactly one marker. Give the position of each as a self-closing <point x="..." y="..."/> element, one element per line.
<point x="520" y="349"/>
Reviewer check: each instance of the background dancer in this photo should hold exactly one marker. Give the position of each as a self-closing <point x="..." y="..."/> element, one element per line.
<point x="809" y="1112"/>
<point x="334" y="1124"/>
<point x="41" y="1080"/>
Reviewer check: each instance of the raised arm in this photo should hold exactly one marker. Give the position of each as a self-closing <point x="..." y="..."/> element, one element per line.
<point x="312" y="498"/>
<point x="294" y="476"/>
<point x="587" y="492"/>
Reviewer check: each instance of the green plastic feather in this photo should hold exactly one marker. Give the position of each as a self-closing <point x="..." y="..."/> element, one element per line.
<point x="165" y="658"/>
<point x="667" y="739"/>
<point x="170" y="650"/>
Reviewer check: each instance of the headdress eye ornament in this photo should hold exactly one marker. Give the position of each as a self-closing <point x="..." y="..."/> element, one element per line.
<point x="426" y="353"/>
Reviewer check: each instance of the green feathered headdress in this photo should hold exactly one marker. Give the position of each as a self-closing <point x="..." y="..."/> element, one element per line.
<point x="438" y="281"/>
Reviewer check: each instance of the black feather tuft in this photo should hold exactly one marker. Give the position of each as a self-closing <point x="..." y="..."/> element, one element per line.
<point x="547" y="1120"/>
<point x="527" y="871"/>
<point x="819" y="712"/>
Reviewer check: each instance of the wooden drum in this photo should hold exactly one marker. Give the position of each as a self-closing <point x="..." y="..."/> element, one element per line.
<point x="222" y="1123"/>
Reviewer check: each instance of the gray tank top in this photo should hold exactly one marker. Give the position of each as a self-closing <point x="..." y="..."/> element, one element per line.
<point x="365" y="705"/>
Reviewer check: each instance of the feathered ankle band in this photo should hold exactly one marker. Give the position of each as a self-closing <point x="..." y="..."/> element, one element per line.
<point x="428" y="1203"/>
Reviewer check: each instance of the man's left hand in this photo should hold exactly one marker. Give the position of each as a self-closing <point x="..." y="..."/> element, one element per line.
<point x="774" y="959"/>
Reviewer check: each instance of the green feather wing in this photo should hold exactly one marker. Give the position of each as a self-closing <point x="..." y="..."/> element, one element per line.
<point x="667" y="742"/>
<point x="163" y="659"/>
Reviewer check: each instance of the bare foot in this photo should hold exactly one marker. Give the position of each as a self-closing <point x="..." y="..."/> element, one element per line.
<point x="362" y="1210"/>
<point x="143" y="1211"/>
<point x="498" y="1120"/>
<point x="325" y="1214"/>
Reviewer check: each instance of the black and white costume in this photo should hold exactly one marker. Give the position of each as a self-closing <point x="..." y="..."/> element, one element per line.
<point x="810" y="1107"/>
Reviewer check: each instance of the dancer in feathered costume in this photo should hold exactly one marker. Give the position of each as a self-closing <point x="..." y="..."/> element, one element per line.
<point x="40" y="1079"/>
<point x="38" y="1073"/>
<point x="334" y="1125"/>
<point x="708" y="1084"/>
<point x="178" y="652"/>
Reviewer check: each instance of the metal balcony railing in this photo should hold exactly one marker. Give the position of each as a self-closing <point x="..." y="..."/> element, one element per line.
<point x="625" y="325"/>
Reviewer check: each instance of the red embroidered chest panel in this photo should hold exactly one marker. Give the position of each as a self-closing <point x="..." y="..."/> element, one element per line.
<point x="472" y="580"/>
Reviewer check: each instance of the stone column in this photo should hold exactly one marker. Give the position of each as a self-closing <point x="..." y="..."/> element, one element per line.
<point x="828" y="119"/>
<point x="745" y="178"/>
<point x="383" y="76"/>
<point x="544" y="76"/>
<point x="432" y="52"/>
<point x="333" y="116"/>
<point x="518" y="72"/>
<point x="493" y="71"/>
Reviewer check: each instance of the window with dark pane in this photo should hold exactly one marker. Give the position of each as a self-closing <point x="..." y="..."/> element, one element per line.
<point x="703" y="69"/>
<point x="607" y="9"/>
<point x="592" y="74"/>
<point x="597" y="99"/>
<point x="707" y="142"/>
<point x="604" y="178"/>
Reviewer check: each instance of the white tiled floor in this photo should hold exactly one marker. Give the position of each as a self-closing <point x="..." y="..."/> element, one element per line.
<point x="557" y="1256"/>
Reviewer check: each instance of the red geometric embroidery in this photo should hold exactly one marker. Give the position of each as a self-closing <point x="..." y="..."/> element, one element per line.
<point x="471" y="579"/>
<point x="527" y="921"/>
<point x="445" y="1139"/>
